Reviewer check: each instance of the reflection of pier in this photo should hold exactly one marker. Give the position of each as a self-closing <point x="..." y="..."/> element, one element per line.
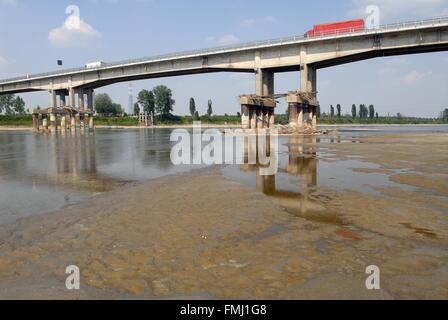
<point x="74" y="165"/>
<point x="302" y="163"/>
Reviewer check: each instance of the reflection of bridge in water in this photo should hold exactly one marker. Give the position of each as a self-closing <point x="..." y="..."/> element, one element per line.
<point x="74" y="165"/>
<point x="302" y="163"/>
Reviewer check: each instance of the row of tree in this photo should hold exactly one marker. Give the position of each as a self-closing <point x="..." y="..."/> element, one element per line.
<point x="157" y="101"/>
<point x="10" y="104"/>
<point x="195" y="113"/>
<point x="363" y="112"/>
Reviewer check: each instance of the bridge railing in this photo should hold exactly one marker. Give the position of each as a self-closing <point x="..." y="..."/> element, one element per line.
<point x="248" y="45"/>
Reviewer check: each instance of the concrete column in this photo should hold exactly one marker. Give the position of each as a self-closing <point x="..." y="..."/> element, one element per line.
<point x="264" y="83"/>
<point x="71" y="98"/>
<point x="253" y="117"/>
<point x="53" y="103"/>
<point x="271" y="116"/>
<point x="300" y="116"/>
<point x="81" y="122"/>
<point x="292" y="115"/>
<point x="91" y="123"/>
<point x="72" y="122"/>
<point x="62" y="100"/>
<point x="266" y="117"/>
<point x="90" y="99"/>
<point x="35" y="123"/>
<point x="314" y="119"/>
<point x="245" y="117"/>
<point x="81" y="99"/>
<point x="45" y="122"/>
<point x="260" y="123"/>
<point x="53" y="124"/>
<point x="63" y="124"/>
<point x="308" y="79"/>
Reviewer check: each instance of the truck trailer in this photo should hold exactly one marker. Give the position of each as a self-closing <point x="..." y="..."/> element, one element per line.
<point x="334" y="28"/>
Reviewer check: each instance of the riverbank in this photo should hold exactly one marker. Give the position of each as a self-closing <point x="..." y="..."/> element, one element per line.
<point x="201" y="235"/>
<point x="220" y="126"/>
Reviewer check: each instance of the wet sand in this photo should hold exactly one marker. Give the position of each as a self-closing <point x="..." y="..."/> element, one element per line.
<point x="200" y="235"/>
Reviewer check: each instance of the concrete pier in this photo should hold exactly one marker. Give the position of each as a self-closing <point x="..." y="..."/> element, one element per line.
<point x="35" y="117"/>
<point x="302" y="112"/>
<point x="45" y="122"/>
<point x="53" y="124"/>
<point x="257" y="112"/>
<point x="73" y="122"/>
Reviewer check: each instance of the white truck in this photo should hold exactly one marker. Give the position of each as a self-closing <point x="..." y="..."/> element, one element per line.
<point x="92" y="65"/>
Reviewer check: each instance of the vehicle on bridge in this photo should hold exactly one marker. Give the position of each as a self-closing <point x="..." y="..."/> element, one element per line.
<point x="334" y="28"/>
<point x="96" y="64"/>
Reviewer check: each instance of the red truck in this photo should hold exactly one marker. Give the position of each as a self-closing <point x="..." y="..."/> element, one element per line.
<point x="336" y="28"/>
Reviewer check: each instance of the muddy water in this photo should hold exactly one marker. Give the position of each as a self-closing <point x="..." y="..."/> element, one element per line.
<point x="337" y="205"/>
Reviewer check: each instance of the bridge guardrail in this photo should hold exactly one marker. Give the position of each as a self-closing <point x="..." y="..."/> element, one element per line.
<point x="248" y="45"/>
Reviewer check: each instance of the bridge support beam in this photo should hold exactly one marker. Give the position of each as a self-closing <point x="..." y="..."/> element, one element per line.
<point x="90" y="108"/>
<point x="73" y="122"/>
<point x="45" y="122"/>
<point x="63" y="125"/>
<point x="257" y="112"/>
<point x="53" y="124"/>
<point x="302" y="112"/>
<point x="264" y="83"/>
<point x="35" y="122"/>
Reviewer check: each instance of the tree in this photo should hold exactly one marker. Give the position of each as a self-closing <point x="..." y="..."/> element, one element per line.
<point x="445" y="115"/>
<point x="105" y="106"/>
<point x="372" y="111"/>
<point x="147" y="101"/>
<point x="192" y="107"/>
<point x="363" y="111"/>
<point x="6" y="103"/>
<point x="331" y="111"/>
<point x="210" y="108"/>
<point x="136" y="109"/>
<point x="399" y="116"/>
<point x="196" y="116"/>
<point x="163" y="98"/>
<point x="354" y="111"/>
<point x="377" y="116"/>
<point x="318" y="112"/>
<point x="19" y="105"/>
<point x="339" y="108"/>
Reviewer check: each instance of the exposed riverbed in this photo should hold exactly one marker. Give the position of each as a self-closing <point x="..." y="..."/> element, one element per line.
<point x="139" y="227"/>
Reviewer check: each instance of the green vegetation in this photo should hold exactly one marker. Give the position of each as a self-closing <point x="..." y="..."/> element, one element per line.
<point x="23" y="120"/>
<point x="159" y="104"/>
<point x="12" y="105"/>
<point x="105" y="106"/>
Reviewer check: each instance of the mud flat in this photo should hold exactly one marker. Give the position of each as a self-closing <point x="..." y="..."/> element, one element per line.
<point x="200" y="235"/>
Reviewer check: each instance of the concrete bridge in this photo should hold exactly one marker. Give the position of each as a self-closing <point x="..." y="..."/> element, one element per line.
<point x="263" y="58"/>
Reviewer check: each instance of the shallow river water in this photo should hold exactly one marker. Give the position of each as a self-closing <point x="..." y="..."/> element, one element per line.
<point x="42" y="173"/>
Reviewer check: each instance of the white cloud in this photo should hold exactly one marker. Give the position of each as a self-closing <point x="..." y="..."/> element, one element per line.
<point x="8" y="2"/>
<point x="400" y="8"/>
<point x="74" y="32"/>
<point x="228" y="39"/>
<point x="224" y="40"/>
<point x="415" y="76"/>
<point x="257" y="21"/>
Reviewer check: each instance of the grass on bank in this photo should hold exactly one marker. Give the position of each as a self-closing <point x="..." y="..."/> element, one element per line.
<point x="26" y="120"/>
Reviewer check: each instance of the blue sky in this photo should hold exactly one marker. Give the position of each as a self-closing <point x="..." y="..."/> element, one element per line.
<point x="33" y="37"/>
